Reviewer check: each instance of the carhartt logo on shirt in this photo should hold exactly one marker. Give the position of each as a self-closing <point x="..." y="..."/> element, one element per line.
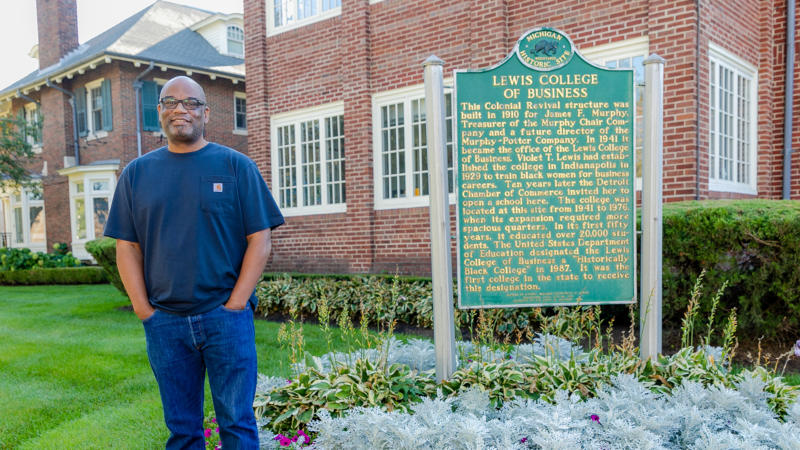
<point x="217" y="187"/>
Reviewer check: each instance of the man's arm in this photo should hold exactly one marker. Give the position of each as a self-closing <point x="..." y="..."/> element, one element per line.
<point x="259" y="245"/>
<point x="131" y="270"/>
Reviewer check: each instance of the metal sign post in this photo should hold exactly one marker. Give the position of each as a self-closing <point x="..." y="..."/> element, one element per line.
<point x="443" y="328"/>
<point x="650" y="309"/>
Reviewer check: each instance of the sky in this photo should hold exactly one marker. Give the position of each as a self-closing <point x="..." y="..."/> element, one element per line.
<point x="18" y="27"/>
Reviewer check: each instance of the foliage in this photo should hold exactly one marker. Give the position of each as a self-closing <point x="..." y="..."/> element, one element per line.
<point x="104" y="251"/>
<point x="363" y="384"/>
<point x="12" y="259"/>
<point x="60" y="275"/>
<point x="623" y="414"/>
<point x="753" y="245"/>
<point x="15" y="150"/>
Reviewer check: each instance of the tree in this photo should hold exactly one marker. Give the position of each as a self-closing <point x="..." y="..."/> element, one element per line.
<point x="16" y="152"/>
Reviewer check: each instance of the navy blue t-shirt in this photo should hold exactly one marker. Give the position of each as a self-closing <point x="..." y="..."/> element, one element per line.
<point x="191" y="214"/>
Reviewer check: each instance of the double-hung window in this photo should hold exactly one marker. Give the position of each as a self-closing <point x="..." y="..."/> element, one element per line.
<point x="401" y="148"/>
<point x="308" y="160"/>
<point x="33" y="122"/>
<point x="239" y="113"/>
<point x="235" y="41"/>
<point x="25" y="218"/>
<point x="287" y="14"/>
<point x="732" y="123"/>
<point x="629" y="54"/>
<point x="93" y="107"/>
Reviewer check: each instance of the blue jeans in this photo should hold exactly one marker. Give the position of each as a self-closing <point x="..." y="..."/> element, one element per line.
<point x="181" y="349"/>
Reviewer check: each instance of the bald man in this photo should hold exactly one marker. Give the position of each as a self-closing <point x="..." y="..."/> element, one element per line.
<point x="192" y="222"/>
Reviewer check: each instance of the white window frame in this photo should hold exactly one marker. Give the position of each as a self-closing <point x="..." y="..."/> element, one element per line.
<point x="236" y="129"/>
<point x="22" y="198"/>
<point x="272" y="29"/>
<point x="404" y="96"/>
<point x="33" y="114"/>
<point x="87" y="175"/>
<point x="719" y="57"/>
<point x="91" y="127"/>
<point x="228" y="39"/>
<point x="319" y="113"/>
<point x="629" y="48"/>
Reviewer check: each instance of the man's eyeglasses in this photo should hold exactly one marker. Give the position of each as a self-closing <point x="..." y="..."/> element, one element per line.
<point x="188" y="103"/>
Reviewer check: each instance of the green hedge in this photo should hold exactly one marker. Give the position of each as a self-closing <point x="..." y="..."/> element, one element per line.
<point x="754" y="245"/>
<point x="104" y="251"/>
<point x="23" y="258"/>
<point x="60" y="275"/>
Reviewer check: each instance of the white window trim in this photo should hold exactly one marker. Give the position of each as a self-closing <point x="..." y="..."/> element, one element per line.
<point x="9" y="204"/>
<point x="30" y="108"/>
<point x="628" y="48"/>
<point x="720" y="56"/>
<point x="294" y="118"/>
<point x="86" y="174"/>
<point x="92" y="132"/>
<point x="404" y="95"/>
<point x="236" y="130"/>
<point x="272" y="30"/>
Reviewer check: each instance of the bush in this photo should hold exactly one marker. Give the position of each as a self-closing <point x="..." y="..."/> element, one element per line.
<point x="60" y="275"/>
<point x="23" y="258"/>
<point x="104" y="251"/>
<point x="754" y="245"/>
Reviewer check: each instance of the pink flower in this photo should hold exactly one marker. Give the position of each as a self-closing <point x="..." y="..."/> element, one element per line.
<point x="595" y="418"/>
<point x="523" y="440"/>
<point x="213" y="420"/>
<point x="208" y="432"/>
<point x="306" y="439"/>
<point x="285" y="442"/>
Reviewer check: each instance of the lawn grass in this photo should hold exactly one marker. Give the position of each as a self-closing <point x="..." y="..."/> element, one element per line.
<point x="74" y="372"/>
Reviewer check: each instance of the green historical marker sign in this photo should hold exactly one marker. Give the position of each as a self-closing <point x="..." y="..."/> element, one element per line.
<point x="545" y="179"/>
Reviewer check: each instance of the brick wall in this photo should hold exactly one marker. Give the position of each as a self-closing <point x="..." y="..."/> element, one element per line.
<point x="370" y="49"/>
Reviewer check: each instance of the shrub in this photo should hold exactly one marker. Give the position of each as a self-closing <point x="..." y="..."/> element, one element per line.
<point x="59" y="275"/>
<point x="104" y="251"/>
<point x="23" y="258"/>
<point x="753" y="245"/>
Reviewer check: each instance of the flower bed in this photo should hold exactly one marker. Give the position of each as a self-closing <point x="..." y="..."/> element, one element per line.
<point x="548" y="394"/>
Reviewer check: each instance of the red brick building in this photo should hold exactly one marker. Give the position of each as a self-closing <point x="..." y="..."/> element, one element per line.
<point x="335" y="90"/>
<point x="96" y="102"/>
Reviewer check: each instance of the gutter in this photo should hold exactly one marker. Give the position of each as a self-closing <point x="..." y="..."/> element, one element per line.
<point x="25" y="97"/>
<point x="137" y="91"/>
<point x="787" y="101"/>
<point x="74" y="119"/>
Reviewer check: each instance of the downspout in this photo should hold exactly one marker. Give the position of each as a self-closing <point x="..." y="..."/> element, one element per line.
<point x="697" y="100"/>
<point x="74" y="119"/>
<point x="787" y="102"/>
<point x="137" y="92"/>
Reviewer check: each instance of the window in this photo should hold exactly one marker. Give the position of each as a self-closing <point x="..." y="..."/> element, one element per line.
<point x="33" y="119"/>
<point x="25" y="219"/>
<point x="93" y="105"/>
<point x="732" y="123"/>
<point x="150" y="92"/>
<point x="625" y="55"/>
<point x="401" y="148"/>
<point x="308" y="165"/>
<point x="239" y="111"/>
<point x="288" y="14"/>
<point x="235" y="41"/>
<point x="91" y="189"/>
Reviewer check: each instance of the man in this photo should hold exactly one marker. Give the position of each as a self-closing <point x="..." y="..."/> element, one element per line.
<point x="192" y="222"/>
